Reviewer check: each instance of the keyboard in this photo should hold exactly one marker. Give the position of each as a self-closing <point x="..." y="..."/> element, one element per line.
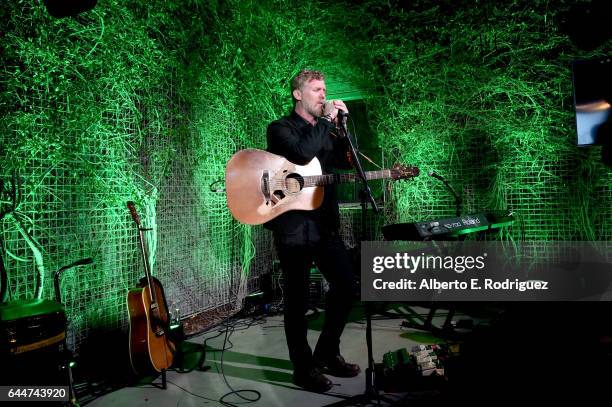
<point x="447" y="227"/>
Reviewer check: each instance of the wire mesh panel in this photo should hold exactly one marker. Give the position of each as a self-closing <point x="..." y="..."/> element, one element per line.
<point x="146" y="102"/>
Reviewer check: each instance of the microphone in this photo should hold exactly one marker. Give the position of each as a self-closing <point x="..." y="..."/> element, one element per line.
<point x="342" y="118"/>
<point x="436" y="176"/>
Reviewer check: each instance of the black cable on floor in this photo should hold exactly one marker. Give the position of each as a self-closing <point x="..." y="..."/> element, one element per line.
<point x="189" y="392"/>
<point x="233" y="391"/>
<point x="226" y="340"/>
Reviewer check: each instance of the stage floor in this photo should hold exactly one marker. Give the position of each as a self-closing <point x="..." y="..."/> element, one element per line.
<point x="541" y="352"/>
<point x="257" y="359"/>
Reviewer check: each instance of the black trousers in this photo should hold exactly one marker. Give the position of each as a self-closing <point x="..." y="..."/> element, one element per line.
<point x="332" y="258"/>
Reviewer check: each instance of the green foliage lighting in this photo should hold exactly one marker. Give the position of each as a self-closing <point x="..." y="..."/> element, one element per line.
<point x="147" y="101"/>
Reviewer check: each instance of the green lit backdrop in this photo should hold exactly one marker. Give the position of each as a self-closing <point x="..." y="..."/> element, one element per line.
<point x="148" y="101"/>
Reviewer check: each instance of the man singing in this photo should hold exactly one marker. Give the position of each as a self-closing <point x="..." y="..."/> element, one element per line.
<point x="304" y="237"/>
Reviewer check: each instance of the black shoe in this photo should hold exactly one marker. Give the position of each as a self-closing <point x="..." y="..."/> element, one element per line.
<point x="312" y="380"/>
<point x="337" y="366"/>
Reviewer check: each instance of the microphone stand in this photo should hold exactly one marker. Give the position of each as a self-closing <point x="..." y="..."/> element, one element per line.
<point x="365" y="195"/>
<point x="446" y="327"/>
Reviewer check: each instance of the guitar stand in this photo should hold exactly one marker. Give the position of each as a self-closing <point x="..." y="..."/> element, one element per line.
<point x="163" y="384"/>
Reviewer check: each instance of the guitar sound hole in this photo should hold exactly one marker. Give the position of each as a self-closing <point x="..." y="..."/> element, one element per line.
<point x="294" y="183"/>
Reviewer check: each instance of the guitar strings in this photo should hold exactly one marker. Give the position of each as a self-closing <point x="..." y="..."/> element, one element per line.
<point x="312" y="180"/>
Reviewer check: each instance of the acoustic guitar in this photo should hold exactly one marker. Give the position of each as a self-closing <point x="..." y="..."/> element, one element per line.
<point x="151" y="350"/>
<point x="261" y="186"/>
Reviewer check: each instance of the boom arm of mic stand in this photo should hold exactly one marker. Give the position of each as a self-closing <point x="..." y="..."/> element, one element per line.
<point x="458" y="200"/>
<point x="366" y="188"/>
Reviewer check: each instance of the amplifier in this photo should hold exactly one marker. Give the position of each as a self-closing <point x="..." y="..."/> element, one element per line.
<point x="317" y="285"/>
<point x="32" y="338"/>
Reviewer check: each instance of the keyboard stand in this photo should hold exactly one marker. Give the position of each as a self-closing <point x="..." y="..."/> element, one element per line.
<point x="416" y="321"/>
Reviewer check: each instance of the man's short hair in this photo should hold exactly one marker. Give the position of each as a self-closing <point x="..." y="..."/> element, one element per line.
<point x="305" y="75"/>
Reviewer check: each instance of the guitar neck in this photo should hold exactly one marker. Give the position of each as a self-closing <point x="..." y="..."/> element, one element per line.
<point x="145" y="261"/>
<point x="328" y="179"/>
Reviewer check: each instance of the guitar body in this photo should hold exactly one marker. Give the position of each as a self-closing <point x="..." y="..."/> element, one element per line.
<point x="261" y="186"/>
<point x="151" y="350"/>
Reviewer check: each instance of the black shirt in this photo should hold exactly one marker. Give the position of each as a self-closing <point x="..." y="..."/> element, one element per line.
<point x="299" y="142"/>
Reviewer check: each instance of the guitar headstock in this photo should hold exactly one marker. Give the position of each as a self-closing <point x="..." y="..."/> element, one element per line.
<point x="400" y="171"/>
<point x="132" y="207"/>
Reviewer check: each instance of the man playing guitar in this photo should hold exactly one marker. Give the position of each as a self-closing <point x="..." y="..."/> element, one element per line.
<point x="303" y="237"/>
